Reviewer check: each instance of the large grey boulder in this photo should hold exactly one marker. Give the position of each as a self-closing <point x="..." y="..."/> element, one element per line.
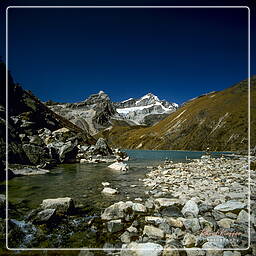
<point x="62" y="205"/>
<point x="190" y="208"/>
<point x="141" y="249"/>
<point x="117" y="210"/>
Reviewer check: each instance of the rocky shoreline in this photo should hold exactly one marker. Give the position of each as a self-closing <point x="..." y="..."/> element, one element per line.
<point x="192" y="206"/>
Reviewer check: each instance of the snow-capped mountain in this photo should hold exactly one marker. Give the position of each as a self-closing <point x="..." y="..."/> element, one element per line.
<point x="146" y="110"/>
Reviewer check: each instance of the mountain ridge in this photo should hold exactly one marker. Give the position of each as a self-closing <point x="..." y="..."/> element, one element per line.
<point x="217" y="120"/>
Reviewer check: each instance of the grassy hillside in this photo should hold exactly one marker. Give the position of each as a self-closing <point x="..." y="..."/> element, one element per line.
<point x="217" y="120"/>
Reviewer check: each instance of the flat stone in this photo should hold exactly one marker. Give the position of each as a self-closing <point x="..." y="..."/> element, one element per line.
<point x="166" y="202"/>
<point x="154" y="220"/>
<point x="109" y="191"/>
<point x="105" y="184"/>
<point x="114" y="226"/>
<point x="141" y="249"/>
<point x="230" y="206"/>
<point x="153" y="232"/>
<point x="29" y="171"/>
<point x="63" y="205"/>
<point x="225" y="223"/>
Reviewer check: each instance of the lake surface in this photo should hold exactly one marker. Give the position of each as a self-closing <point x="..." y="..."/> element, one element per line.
<point x="82" y="182"/>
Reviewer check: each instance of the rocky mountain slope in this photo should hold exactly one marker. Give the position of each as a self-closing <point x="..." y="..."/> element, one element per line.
<point x="146" y="110"/>
<point x="92" y="114"/>
<point x="38" y="136"/>
<point x="218" y="121"/>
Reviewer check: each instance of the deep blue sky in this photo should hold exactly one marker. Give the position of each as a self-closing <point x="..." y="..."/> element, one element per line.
<point x="67" y="54"/>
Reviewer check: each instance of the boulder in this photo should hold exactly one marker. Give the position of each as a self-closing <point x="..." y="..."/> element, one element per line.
<point x="243" y="217"/>
<point x="45" y="216"/>
<point x="109" y="191"/>
<point x="153" y="232"/>
<point x="114" y="226"/>
<point x="141" y="249"/>
<point x="35" y="154"/>
<point x="117" y="211"/>
<point x="62" y="205"/>
<point x="139" y="208"/>
<point x="175" y="222"/>
<point x="102" y="148"/>
<point x="119" y="166"/>
<point x="192" y="224"/>
<point x="230" y="206"/>
<point x="68" y="152"/>
<point x="189" y="240"/>
<point x="190" y="208"/>
<point x="62" y="134"/>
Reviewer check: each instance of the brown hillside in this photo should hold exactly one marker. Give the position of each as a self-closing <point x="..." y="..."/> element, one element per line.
<point x="217" y="120"/>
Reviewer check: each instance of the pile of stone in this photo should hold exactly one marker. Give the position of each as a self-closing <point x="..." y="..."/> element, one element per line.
<point x="198" y="205"/>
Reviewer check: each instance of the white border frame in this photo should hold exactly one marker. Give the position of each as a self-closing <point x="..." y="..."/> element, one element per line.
<point x="249" y="129"/>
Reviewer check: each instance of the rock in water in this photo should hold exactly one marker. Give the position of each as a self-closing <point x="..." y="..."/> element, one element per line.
<point x="119" y="166"/>
<point x="62" y="205"/>
<point x="109" y="191"/>
<point x="230" y="206"/>
<point x="190" y="208"/>
<point x="45" y="216"/>
<point x="141" y="249"/>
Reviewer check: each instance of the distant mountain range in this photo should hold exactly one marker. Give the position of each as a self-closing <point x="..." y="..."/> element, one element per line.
<point x="218" y="121"/>
<point x="98" y="112"/>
